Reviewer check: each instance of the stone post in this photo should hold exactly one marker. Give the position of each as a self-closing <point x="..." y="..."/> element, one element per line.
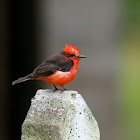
<point x="59" y="116"/>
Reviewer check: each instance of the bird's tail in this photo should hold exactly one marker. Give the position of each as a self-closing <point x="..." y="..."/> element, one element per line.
<point x="22" y="79"/>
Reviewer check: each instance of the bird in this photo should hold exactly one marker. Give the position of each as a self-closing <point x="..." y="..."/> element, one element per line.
<point x="59" y="69"/>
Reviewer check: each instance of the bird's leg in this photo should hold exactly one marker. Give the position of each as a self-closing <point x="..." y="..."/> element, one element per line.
<point x="63" y="89"/>
<point x="55" y="88"/>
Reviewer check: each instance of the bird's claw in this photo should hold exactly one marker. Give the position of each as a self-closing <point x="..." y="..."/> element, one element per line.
<point x="55" y="90"/>
<point x="59" y="89"/>
<point x="62" y="90"/>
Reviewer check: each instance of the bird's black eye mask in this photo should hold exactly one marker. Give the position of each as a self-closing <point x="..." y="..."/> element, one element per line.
<point x="68" y="55"/>
<point x="72" y="55"/>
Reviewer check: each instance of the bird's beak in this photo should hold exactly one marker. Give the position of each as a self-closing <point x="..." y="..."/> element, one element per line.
<point x="81" y="56"/>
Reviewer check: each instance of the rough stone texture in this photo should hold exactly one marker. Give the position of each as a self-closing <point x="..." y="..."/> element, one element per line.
<point x="59" y="116"/>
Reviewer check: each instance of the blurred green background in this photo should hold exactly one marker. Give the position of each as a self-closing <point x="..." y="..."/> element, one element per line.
<point x="130" y="71"/>
<point x="106" y="31"/>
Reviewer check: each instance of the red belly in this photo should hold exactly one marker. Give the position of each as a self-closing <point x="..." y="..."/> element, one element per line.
<point x="60" y="78"/>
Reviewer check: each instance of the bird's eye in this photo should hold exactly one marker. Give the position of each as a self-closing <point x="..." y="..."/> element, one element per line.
<point x="72" y="55"/>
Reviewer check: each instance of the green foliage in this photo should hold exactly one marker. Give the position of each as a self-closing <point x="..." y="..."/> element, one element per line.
<point x="131" y="87"/>
<point x="132" y="15"/>
<point x="131" y="71"/>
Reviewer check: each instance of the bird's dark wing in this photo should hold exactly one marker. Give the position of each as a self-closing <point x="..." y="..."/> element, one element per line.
<point x="49" y="66"/>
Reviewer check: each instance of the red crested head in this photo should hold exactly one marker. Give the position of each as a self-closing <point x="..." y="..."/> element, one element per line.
<point x="71" y="49"/>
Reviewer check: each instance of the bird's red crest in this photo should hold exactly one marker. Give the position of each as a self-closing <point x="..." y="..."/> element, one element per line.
<point x="71" y="49"/>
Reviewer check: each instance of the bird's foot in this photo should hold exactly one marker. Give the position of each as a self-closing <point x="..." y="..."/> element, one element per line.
<point x="63" y="89"/>
<point x="55" y="88"/>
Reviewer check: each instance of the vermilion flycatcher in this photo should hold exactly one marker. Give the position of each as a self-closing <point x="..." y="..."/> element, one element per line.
<point x="58" y="69"/>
